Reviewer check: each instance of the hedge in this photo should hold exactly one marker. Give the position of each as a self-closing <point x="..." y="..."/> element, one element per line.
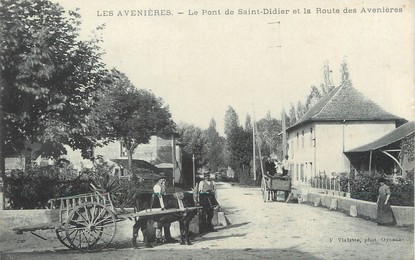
<point x="34" y="187"/>
<point x="365" y="187"/>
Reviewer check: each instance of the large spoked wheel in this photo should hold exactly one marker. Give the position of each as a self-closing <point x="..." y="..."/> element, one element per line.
<point x="61" y="235"/>
<point x="90" y="227"/>
<point x="264" y="190"/>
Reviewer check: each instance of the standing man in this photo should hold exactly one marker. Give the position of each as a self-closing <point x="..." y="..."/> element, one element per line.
<point x="159" y="190"/>
<point x="285" y="166"/>
<point x="207" y="197"/>
<point x="270" y="167"/>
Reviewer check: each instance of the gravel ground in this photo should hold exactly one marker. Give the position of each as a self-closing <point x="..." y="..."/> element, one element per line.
<point x="257" y="230"/>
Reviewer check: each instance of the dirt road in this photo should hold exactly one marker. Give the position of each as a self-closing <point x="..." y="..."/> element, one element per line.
<point x="258" y="230"/>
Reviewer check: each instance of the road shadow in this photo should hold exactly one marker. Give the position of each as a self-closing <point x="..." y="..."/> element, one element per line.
<point x="230" y="226"/>
<point x="204" y="253"/>
<point x="203" y="239"/>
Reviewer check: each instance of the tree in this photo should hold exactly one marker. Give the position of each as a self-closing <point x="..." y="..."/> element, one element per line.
<point x="327" y="85"/>
<point x="248" y="123"/>
<point x="301" y="110"/>
<point x="231" y="120"/>
<point x="131" y="115"/>
<point x="344" y="70"/>
<point x="49" y="76"/>
<point x="312" y="98"/>
<point x="269" y="130"/>
<point x="292" y="114"/>
<point x="240" y="147"/>
<point x="214" y="148"/>
<point x="194" y="142"/>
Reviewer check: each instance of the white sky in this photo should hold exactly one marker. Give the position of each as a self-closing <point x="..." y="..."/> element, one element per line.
<point x="202" y="64"/>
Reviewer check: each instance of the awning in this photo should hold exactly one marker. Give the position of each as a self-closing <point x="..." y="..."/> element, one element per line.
<point x="394" y="136"/>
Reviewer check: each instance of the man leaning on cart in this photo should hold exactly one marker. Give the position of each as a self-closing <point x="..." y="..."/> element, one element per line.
<point x="159" y="190"/>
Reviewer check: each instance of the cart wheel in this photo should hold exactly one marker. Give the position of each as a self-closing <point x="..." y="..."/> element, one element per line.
<point x="90" y="227"/>
<point x="61" y="234"/>
<point x="264" y="190"/>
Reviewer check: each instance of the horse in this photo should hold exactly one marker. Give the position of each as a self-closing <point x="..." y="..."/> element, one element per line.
<point x="147" y="200"/>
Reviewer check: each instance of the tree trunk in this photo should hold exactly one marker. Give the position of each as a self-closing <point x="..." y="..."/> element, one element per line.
<point x="130" y="160"/>
<point x="2" y="157"/>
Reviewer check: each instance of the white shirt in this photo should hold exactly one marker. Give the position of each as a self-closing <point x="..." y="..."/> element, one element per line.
<point x="159" y="188"/>
<point x="285" y="164"/>
<point x="206" y="185"/>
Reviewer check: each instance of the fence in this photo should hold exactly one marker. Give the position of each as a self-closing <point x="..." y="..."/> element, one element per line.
<point x="324" y="182"/>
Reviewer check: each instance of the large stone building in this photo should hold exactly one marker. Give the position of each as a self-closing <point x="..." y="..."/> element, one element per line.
<point x="342" y="120"/>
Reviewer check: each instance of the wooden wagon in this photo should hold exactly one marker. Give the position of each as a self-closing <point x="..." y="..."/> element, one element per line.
<point x="271" y="185"/>
<point x="88" y="222"/>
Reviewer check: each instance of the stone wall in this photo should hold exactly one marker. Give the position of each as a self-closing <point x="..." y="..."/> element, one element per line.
<point x="404" y="215"/>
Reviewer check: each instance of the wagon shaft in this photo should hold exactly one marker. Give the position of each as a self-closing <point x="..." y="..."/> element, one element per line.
<point x="41" y="226"/>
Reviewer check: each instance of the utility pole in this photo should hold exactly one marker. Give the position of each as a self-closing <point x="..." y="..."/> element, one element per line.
<point x="194" y="171"/>
<point x="173" y="156"/>
<point x="2" y="155"/>
<point x="253" y="143"/>
<point x="284" y="134"/>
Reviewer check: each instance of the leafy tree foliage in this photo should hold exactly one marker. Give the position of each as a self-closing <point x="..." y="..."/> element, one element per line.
<point x="295" y="113"/>
<point x="248" y="123"/>
<point x="131" y="115"/>
<point x="239" y="141"/>
<point x="269" y="130"/>
<point x="240" y="148"/>
<point x="49" y="77"/>
<point x="231" y="120"/>
<point x="194" y="142"/>
<point x="408" y="148"/>
<point x="292" y="115"/>
<point x="214" y="148"/>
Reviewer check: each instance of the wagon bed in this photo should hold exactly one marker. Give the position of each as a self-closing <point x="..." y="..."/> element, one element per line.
<point x="87" y="222"/>
<point x="269" y="185"/>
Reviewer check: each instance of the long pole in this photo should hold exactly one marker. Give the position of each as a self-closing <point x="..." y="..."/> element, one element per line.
<point x="2" y="156"/>
<point x="194" y="171"/>
<point x="253" y="144"/>
<point x="284" y="134"/>
<point x="173" y="156"/>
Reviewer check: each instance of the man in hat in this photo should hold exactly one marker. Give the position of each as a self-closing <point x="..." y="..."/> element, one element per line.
<point x="159" y="190"/>
<point x="270" y="167"/>
<point x="207" y="198"/>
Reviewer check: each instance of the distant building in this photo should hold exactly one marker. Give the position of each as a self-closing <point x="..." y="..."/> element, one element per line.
<point x="147" y="152"/>
<point x="342" y="120"/>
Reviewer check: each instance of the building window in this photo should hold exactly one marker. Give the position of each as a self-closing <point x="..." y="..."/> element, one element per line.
<point x="298" y="140"/>
<point x="311" y="137"/>
<point x="302" y="172"/>
<point x="302" y="139"/>
<point x="297" y="171"/>
<point x="292" y="149"/>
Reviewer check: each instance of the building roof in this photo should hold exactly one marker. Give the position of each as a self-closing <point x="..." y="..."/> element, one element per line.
<point x="139" y="165"/>
<point x="164" y="165"/>
<point x="390" y="138"/>
<point x="345" y="103"/>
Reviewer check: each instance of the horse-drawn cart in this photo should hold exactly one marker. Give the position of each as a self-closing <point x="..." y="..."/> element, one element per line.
<point x="270" y="185"/>
<point x="88" y="222"/>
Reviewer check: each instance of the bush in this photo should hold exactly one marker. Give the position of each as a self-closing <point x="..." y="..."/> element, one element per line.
<point x="366" y="187"/>
<point x="35" y="186"/>
<point x="245" y="177"/>
<point x="402" y="193"/>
